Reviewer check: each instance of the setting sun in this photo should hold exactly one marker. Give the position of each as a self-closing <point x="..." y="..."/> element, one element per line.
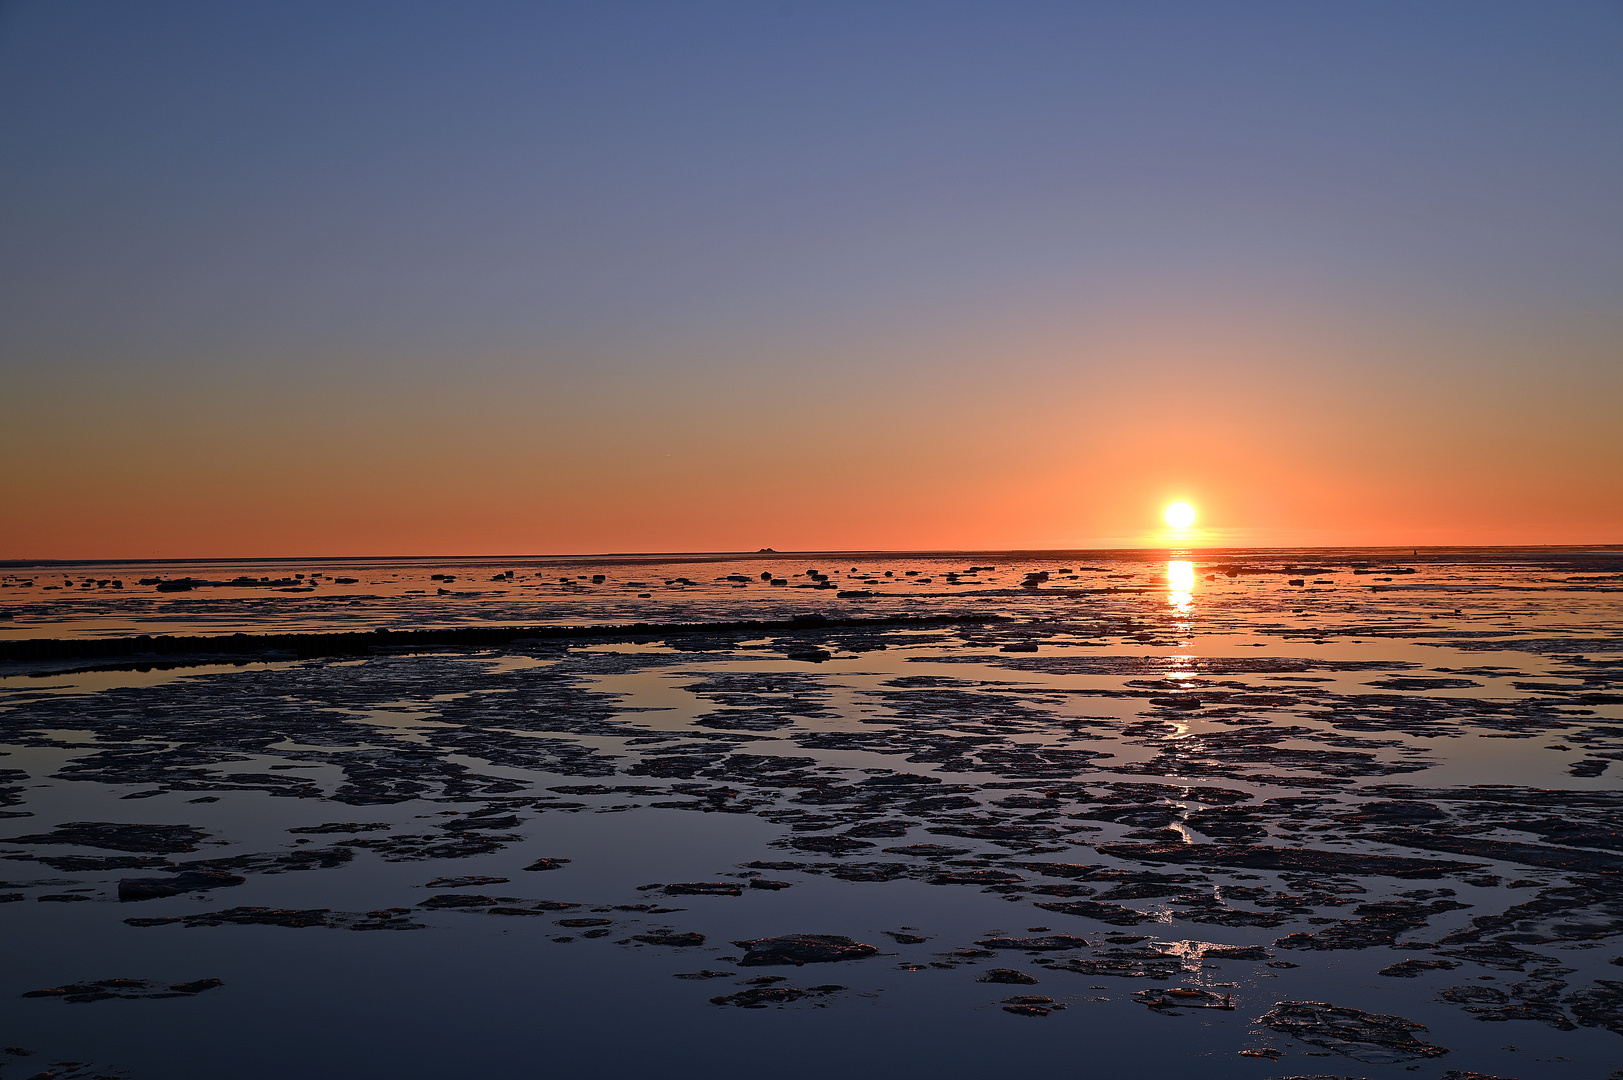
<point x="1180" y="515"/>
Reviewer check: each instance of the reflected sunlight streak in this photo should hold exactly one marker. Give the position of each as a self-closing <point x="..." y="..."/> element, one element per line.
<point x="1180" y="584"/>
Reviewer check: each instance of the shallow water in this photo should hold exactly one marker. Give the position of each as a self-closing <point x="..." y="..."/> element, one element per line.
<point x="1188" y="752"/>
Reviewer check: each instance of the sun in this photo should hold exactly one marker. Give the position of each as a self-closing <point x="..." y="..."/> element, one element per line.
<point x="1180" y="515"/>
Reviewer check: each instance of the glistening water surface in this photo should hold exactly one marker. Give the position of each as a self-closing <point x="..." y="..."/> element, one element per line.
<point x="1248" y="815"/>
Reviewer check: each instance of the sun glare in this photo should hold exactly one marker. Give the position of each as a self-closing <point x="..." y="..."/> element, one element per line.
<point x="1181" y="576"/>
<point x="1180" y="584"/>
<point x="1180" y="515"/>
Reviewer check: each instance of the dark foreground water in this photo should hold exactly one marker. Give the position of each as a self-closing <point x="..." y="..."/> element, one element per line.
<point x="1259" y="815"/>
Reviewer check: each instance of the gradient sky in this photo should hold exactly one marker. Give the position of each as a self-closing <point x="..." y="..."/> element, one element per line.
<point x="328" y="278"/>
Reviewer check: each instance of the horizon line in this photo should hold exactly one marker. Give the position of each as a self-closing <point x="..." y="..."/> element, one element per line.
<point x="1415" y="549"/>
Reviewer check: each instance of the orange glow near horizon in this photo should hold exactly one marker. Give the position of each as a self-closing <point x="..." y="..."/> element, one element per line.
<point x="508" y="460"/>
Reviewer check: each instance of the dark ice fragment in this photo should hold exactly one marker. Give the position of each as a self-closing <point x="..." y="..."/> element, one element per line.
<point x="800" y="949"/>
<point x="1012" y="976"/>
<point x="761" y="997"/>
<point x="156" y="839"/>
<point x="976" y="877"/>
<point x="1376" y="1038"/>
<point x="828" y="845"/>
<point x="1050" y="942"/>
<point x="1030" y="1005"/>
<point x="458" y="900"/>
<point x="704" y="888"/>
<point x="678" y="941"/>
<point x="1183" y="997"/>
<point x="464" y="882"/>
<point x="184" y="882"/>
<point x="1114" y="914"/>
<point x="1266" y="857"/>
<point x="197" y="986"/>
<point x="1412" y="968"/>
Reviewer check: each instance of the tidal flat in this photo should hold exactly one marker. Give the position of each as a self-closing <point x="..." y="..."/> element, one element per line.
<point x="1249" y="815"/>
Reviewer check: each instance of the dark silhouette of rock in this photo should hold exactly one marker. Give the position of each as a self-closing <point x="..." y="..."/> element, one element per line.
<point x="187" y="881"/>
<point x="1373" y="1037"/>
<point x="704" y="888"/>
<point x="1011" y="976"/>
<point x="103" y="989"/>
<point x="760" y="997"/>
<point x="1030" y="1005"/>
<point x="1183" y="997"/>
<point x="678" y="941"/>
<point x="1049" y="943"/>
<point x="157" y="839"/>
<point x="462" y="900"/>
<point x="1266" y="857"/>
<point x="464" y="882"/>
<point x="800" y="949"/>
<point x="1412" y="968"/>
<point x="197" y="986"/>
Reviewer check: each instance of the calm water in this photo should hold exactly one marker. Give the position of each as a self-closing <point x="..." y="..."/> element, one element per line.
<point x="1387" y="791"/>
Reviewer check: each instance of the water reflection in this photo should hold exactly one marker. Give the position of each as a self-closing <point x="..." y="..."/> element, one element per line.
<point x="1180" y="584"/>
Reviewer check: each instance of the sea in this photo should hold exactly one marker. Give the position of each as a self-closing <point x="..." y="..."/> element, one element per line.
<point x="1252" y="814"/>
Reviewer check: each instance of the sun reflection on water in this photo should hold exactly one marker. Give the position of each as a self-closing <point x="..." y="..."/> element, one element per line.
<point x="1180" y="584"/>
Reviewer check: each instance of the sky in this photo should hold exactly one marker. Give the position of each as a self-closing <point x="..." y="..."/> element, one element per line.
<point x="401" y="278"/>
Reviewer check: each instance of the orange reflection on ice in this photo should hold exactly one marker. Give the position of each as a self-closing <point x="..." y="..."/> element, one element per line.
<point x="1180" y="584"/>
